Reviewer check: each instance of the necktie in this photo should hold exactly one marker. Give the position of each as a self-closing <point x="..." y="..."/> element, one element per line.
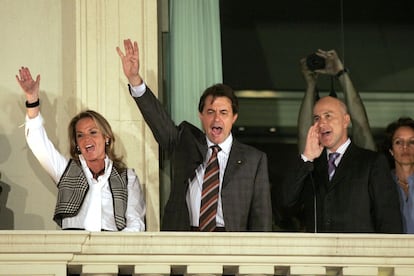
<point x="209" y="194"/>
<point x="331" y="163"/>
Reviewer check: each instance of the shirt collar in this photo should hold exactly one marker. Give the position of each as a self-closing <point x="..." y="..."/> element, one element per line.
<point x="225" y="146"/>
<point x="341" y="150"/>
<point x="108" y="163"/>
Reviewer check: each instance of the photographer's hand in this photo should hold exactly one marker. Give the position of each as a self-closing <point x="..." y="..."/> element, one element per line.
<point x="332" y="61"/>
<point x="310" y="77"/>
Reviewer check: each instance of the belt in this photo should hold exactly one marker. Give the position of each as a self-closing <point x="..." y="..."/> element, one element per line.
<point x="217" y="229"/>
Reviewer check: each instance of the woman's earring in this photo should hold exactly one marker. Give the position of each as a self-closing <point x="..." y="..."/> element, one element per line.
<point x="107" y="143"/>
<point x="78" y="149"/>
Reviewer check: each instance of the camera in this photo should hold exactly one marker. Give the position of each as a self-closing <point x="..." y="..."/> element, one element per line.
<point x="315" y="62"/>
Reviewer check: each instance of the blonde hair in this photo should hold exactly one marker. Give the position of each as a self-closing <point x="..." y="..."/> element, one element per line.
<point x="106" y="130"/>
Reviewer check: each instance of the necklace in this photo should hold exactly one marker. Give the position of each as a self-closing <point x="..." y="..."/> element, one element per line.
<point x="404" y="185"/>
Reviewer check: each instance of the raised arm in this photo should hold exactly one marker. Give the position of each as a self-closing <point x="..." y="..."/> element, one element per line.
<point x="361" y="131"/>
<point x="305" y="119"/>
<point x="36" y="137"/>
<point x="31" y="90"/>
<point x="162" y="126"/>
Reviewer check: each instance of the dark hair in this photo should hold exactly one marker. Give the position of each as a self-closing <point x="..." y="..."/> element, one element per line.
<point x="389" y="134"/>
<point x="393" y="127"/>
<point x="106" y="130"/>
<point x="219" y="90"/>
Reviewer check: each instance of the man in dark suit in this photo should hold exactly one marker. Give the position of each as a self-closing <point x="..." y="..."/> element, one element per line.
<point x="244" y="197"/>
<point x="356" y="195"/>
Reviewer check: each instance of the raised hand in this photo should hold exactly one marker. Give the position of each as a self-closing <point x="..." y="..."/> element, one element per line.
<point x="332" y="61"/>
<point x="29" y="86"/>
<point x="310" y="76"/>
<point x="130" y="62"/>
<point x="31" y="90"/>
<point x="313" y="147"/>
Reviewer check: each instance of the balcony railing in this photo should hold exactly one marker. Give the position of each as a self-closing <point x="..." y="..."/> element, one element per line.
<point x="165" y="253"/>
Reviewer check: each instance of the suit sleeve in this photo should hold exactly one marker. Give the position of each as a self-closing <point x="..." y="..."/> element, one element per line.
<point x="385" y="198"/>
<point x="293" y="184"/>
<point x="261" y="210"/>
<point x="159" y="121"/>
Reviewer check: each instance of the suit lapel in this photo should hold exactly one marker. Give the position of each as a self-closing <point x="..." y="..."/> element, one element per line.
<point x="201" y="150"/>
<point x="201" y="144"/>
<point x="236" y="159"/>
<point x="343" y="167"/>
<point x="193" y="156"/>
<point x="322" y="171"/>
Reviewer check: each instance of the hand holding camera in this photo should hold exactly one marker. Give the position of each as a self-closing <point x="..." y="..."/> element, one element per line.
<point x="315" y="62"/>
<point x="324" y="62"/>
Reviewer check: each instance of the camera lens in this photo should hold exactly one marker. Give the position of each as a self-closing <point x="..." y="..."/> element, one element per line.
<point x="315" y="62"/>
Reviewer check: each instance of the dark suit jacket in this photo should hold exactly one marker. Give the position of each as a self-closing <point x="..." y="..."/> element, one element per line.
<point x="245" y="190"/>
<point x="360" y="198"/>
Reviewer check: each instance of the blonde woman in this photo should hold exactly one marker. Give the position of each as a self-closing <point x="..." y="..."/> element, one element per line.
<point x="96" y="191"/>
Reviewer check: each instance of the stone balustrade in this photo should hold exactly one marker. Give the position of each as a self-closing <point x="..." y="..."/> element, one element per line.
<point x="164" y="253"/>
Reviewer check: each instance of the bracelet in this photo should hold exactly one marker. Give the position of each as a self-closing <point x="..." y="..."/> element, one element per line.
<point x="34" y="104"/>
<point x="341" y="72"/>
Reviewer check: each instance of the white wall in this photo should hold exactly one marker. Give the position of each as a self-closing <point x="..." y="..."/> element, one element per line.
<point x="31" y="35"/>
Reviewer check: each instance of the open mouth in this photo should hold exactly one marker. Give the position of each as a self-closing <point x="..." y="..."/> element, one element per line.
<point x="325" y="133"/>
<point x="89" y="148"/>
<point x="216" y="130"/>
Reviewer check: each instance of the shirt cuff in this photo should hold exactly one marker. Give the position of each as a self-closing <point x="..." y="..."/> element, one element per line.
<point x="138" y="91"/>
<point x="305" y="159"/>
<point x="35" y="122"/>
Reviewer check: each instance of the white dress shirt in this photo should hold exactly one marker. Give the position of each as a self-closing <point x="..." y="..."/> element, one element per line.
<point x="97" y="211"/>
<point x="195" y="187"/>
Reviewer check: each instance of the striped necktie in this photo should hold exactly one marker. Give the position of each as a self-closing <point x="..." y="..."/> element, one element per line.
<point x="210" y="193"/>
<point x="331" y="163"/>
